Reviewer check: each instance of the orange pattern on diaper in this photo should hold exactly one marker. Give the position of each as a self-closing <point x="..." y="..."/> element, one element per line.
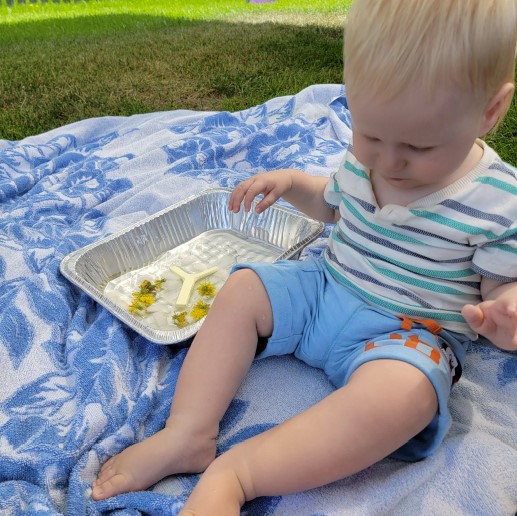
<point x="412" y="342"/>
<point x="430" y="324"/>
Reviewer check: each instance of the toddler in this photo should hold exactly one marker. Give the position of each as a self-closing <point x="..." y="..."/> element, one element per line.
<point x="421" y="260"/>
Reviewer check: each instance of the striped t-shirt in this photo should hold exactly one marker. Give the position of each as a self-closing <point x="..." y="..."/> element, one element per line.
<point x="426" y="259"/>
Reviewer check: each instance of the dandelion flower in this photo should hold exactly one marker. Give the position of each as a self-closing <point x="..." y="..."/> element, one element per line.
<point x="136" y="306"/>
<point x="206" y="289"/>
<point x="146" y="296"/>
<point x="158" y="283"/>
<point x="199" y="310"/>
<point x="146" y="299"/>
<point x="146" y="287"/>
<point x="180" y="319"/>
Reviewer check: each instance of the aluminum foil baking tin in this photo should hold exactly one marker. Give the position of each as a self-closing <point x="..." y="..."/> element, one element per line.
<point x="195" y="235"/>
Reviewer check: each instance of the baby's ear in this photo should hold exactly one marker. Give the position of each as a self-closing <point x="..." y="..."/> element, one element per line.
<point x="497" y="107"/>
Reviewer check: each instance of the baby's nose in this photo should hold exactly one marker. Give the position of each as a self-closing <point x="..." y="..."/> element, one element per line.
<point x="392" y="160"/>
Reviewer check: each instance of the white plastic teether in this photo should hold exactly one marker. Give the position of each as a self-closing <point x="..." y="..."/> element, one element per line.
<point x="189" y="280"/>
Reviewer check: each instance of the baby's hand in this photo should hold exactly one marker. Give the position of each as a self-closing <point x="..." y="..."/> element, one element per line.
<point x="496" y="320"/>
<point x="271" y="185"/>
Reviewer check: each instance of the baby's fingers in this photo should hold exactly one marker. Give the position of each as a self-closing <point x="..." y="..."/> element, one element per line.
<point x="511" y="309"/>
<point x="268" y="200"/>
<point x="238" y="194"/>
<point x="474" y="316"/>
<point x="257" y="187"/>
<point x="253" y="187"/>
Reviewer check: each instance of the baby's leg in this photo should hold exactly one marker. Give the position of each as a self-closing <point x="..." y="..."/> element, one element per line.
<point x="214" y="367"/>
<point x="385" y="403"/>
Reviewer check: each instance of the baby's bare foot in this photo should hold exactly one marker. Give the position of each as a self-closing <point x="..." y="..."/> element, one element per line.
<point x="168" y="452"/>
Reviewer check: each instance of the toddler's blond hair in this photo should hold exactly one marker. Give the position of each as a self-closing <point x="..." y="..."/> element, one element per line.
<point x="470" y="44"/>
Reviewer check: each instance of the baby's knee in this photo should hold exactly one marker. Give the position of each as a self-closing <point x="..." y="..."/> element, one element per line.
<point x="243" y="278"/>
<point x="244" y="294"/>
<point x="234" y="285"/>
<point x="244" y="286"/>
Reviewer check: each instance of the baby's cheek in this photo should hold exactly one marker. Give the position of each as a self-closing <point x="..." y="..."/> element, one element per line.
<point x="363" y="154"/>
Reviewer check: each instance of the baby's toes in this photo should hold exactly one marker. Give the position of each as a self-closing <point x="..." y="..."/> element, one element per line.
<point x="112" y="486"/>
<point x="107" y="470"/>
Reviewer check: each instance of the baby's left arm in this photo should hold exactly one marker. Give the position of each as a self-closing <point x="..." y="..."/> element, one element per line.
<point x="496" y="316"/>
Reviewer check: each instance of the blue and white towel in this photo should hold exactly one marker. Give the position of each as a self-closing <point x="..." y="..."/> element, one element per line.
<point x="77" y="386"/>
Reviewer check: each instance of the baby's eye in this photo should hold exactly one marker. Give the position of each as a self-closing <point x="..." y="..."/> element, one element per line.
<point x="419" y="149"/>
<point x="372" y="139"/>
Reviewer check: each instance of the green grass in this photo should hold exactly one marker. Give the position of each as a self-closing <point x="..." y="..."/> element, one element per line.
<point x="65" y="62"/>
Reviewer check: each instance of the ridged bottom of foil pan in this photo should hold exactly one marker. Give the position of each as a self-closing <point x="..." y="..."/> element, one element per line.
<point x="196" y="236"/>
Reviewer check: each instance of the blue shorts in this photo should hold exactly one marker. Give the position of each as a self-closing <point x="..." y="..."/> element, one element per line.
<point x="328" y="326"/>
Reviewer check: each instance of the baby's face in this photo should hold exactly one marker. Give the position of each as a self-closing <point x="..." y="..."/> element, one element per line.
<point x="411" y="142"/>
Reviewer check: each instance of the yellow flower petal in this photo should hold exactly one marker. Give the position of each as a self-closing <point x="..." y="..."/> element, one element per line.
<point x="206" y="289"/>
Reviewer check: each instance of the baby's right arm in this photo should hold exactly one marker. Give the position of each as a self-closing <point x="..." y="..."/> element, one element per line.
<point x="303" y="191"/>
